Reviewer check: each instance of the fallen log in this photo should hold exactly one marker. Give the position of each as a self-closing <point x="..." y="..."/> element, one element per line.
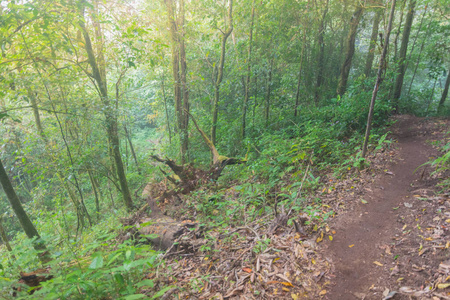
<point x="33" y="280"/>
<point x="163" y="230"/>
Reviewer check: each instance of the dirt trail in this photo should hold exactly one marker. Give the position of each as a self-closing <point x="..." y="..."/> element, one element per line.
<point x="370" y="226"/>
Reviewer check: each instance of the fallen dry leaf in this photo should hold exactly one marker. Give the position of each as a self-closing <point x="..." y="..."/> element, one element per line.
<point x="443" y="285"/>
<point x="378" y="263"/>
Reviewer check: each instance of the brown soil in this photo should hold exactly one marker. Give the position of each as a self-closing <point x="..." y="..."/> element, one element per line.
<point x="377" y="246"/>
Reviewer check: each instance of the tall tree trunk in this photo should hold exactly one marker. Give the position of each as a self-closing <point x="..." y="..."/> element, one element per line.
<point x="268" y="90"/>
<point x="128" y="136"/>
<point x="381" y="69"/>
<point x="402" y="54"/>
<point x="420" y="54"/>
<point x="184" y="125"/>
<point x="94" y="189"/>
<point x="417" y="35"/>
<point x="349" y="49"/>
<point x="165" y="106"/>
<point x="321" y="55"/>
<point x="299" y="81"/>
<point x="302" y="56"/>
<point x="444" y="93"/>
<point x="24" y="220"/>
<point x="181" y="92"/>
<point x="37" y="117"/>
<point x="255" y="96"/>
<point x="219" y="71"/>
<point x="175" y="62"/>
<point x="399" y="28"/>
<point x="431" y="96"/>
<point x="249" y="72"/>
<point x="373" y="43"/>
<point x="109" y="111"/>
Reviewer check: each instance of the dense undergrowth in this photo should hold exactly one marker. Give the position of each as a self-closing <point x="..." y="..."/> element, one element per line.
<point x="285" y="168"/>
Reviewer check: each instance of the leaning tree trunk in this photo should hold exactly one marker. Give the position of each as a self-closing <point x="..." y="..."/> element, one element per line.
<point x="444" y="93"/>
<point x="402" y="54"/>
<point x="98" y="74"/>
<point x="373" y="42"/>
<point x="24" y="220"/>
<point x="349" y="50"/>
<point x="219" y="72"/>
<point x="381" y="69"/>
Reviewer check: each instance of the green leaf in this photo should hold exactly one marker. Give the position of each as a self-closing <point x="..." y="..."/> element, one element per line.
<point x="97" y="262"/>
<point x="119" y="279"/>
<point x="113" y="259"/>
<point x="146" y="282"/>
<point x="160" y="293"/>
<point x="135" y="296"/>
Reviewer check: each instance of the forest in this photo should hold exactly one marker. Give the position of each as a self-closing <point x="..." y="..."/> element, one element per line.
<point x="208" y="149"/>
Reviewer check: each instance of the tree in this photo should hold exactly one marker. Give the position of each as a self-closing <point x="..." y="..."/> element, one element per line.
<point x="321" y="55"/>
<point x="24" y="220"/>
<point x="402" y="55"/>
<point x="302" y="56"/>
<point x="218" y="71"/>
<point x="97" y="64"/>
<point x="373" y="43"/>
<point x="444" y="93"/>
<point x="349" y="49"/>
<point x="249" y="70"/>
<point x="381" y="69"/>
<point x="181" y="91"/>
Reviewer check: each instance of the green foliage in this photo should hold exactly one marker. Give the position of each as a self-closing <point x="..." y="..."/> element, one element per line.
<point x="442" y="166"/>
<point x="94" y="266"/>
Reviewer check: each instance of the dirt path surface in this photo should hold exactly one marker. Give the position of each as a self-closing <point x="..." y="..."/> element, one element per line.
<point x="367" y="235"/>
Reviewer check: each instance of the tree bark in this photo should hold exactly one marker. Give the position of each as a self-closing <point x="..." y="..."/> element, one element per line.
<point x="109" y="111"/>
<point x="184" y="125"/>
<point x="249" y="72"/>
<point x="321" y="55"/>
<point x="300" y="71"/>
<point x="219" y="71"/>
<point x="420" y="54"/>
<point x="399" y="29"/>
<point x="165" y="107"/>
<point x="20" y="213"/>
<point x="349" y="50"/>
<point x="181" y="91"/>
<point x="128" y="136"/>
<point x="373" y="42"/>
<point x="444" y="93"/>
<point x="402" y="55"/>
<point x="94" y="189"/>
<point x="268" y="90"/>
<point x="381" y="69"/>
